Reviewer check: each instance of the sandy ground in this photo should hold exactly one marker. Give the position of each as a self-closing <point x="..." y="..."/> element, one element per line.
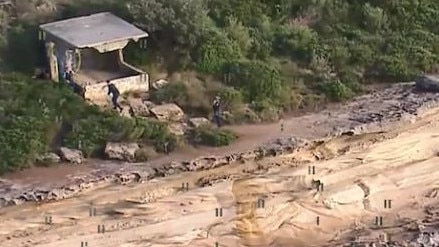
<point x="273" y="202"/>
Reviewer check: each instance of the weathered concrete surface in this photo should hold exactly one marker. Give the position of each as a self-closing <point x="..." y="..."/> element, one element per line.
<point x="374" y="112"/>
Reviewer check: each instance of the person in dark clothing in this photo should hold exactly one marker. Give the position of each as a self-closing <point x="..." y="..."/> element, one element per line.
<point x="112" y="89"/>
<point x="217" y="111"/>
<point x="78" y="89"/>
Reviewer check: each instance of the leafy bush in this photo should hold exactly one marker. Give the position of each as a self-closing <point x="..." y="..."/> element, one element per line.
<point x="257" y="80"/>
<point x="231" y="99"/>
<point x="37" y="116"/>
<point x="336" y="90"/>
<point x="175" y="92"/>
<point x="211" y="136"/>
<point x="215" y="50"/>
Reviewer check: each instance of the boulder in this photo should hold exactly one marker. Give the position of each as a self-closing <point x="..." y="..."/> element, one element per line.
<point x="159" y="83"/>
<point x="427" y="83"/>
<point x="71" y="155"/>
<point x="50" y="158"/>
<point x="168" y="112"/>
<point x="139" y="107"/>
<point x="122" y="151"/>
<point x="199" y="121"/>
<point x="177" y="129"/>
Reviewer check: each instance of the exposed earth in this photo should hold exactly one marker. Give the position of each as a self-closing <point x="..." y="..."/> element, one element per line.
<point x="365" y="169"/>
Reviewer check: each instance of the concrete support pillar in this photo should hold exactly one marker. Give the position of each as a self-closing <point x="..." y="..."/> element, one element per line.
<point x="52" y="61"/>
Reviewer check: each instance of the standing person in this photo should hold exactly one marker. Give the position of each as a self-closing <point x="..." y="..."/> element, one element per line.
<point x="112" y="89"/>
<point x="217" y="111"/>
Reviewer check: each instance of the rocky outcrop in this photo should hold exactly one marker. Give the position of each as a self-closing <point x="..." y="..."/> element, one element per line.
<point x="71" y="155"/>
<point x="122" y="151"/>
<point x="11" y="195"/>
<point x="199" y="121"/>
<point x="427" y="83"/>
<point x="168" y="112"/>
<point x="364" y="114"/>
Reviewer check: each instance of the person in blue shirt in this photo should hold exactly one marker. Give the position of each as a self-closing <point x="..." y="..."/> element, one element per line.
<point x="112" y="89"/>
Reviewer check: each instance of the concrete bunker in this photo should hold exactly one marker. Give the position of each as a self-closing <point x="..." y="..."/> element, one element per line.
<point x="91" y="47"/>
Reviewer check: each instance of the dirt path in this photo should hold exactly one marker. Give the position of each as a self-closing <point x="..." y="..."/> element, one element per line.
<point x="250" y="137"/>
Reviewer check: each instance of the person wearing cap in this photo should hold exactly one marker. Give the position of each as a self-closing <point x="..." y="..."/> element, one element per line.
<point x="217" y="111"/>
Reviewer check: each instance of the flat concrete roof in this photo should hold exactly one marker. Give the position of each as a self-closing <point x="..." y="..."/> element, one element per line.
<point x="93" y="30"/>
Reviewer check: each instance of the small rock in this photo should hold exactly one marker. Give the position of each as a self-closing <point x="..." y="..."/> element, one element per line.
<point x="49" y="158"/>
<point x="168" y="112"/>
<point x="159" y="83"/>
<point x="122" y="151"/>
<point x="199" y="121"/>
<point x="71" y="155"/>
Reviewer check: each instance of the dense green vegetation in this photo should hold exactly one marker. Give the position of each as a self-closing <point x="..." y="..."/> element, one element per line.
<point x="265" y="57"/>
<point x="37" y="117"/>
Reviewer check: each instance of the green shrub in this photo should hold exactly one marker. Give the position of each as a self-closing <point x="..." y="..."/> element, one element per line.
<point x="211" y="136"/>
<point x="175" y="92"/>
<point x="257" y="80"/>
<point x="215" y="50"/>
<point x="231" y="99"/>
<point x="336" y="90"/>
<point x="38" y="116"/>
<point x="266" y="110"/>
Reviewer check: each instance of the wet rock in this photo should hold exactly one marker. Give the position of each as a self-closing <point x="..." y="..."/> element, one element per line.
<point x="159" y="83"/>
<point x="49" y="158"/>
<point x="427" y="83"/>
<point x="199" y="121"/>
<point x="122" y="151"/>
<point x="71" y="155"/>
<point x="168" y="112"/>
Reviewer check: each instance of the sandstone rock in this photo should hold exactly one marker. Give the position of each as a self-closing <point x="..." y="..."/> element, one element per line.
<point x="199" y="121"/>
<point x="427" y="83"/>
<point x="139" y="107"/>
<point x="149" y="104"/>
<point x="159" y="83"/>
<point x="177" y="129"/>
<point x="126" y="112"/>
<point x="121" y="151"/>
<point x="49" y="158"/>
<point x="71" y="155"/>
<point x="168" y="112"/>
